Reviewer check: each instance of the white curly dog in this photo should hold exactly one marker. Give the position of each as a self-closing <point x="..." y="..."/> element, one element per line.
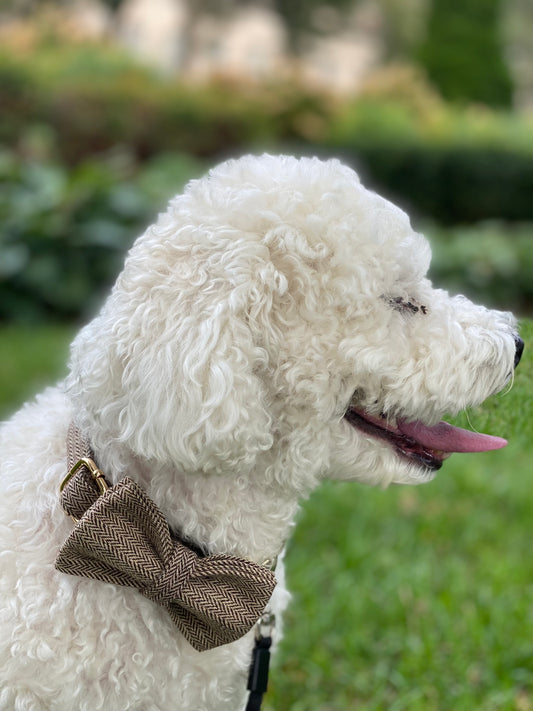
<point x="274" y="328"/>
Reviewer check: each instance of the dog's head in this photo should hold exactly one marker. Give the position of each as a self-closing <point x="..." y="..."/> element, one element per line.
<point x="277" y="321"/>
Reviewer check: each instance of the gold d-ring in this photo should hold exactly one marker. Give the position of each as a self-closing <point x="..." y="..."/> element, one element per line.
<point x="96" y="474"/>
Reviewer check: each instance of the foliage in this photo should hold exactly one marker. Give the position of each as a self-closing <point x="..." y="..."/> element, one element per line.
<point x="492" y="263"/>
<point x="463" y="53"/>
<point x="454" y="165"/>
<point x="65" y="231"/>
<point x="94" y="138"/>
<point x="95" y="98"/>
<point x="449" y="184"/>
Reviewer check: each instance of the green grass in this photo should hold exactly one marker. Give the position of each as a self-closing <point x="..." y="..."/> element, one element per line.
<point x="31" y="357"/>
<point x="410" y="598"/>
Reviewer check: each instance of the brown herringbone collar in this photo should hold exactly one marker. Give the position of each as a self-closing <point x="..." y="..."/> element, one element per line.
<point x="120" y="536"/>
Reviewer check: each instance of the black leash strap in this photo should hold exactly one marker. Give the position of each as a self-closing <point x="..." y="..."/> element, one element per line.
<point x="258" y="676"/>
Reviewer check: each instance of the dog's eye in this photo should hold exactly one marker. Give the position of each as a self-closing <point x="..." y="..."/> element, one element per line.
<point x="406" y="306"/>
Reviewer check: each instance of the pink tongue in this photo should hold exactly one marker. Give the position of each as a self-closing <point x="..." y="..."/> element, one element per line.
<point x="448" y="438"/>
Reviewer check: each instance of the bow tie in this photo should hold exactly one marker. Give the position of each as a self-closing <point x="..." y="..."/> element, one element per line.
<point x="122" y="537"/>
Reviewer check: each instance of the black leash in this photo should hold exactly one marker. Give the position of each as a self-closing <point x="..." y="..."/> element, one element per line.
<point x="258" y="676"/>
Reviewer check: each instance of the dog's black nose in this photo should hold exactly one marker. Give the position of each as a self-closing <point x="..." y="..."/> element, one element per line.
<point x="519" y="350"/>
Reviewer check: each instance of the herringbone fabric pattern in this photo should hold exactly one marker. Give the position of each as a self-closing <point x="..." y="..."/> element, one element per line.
<point x="81" y="492"/>
<point x="123" y="538"/>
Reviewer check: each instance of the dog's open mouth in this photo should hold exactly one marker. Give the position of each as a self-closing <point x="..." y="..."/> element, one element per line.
<point x="425" y="445"/>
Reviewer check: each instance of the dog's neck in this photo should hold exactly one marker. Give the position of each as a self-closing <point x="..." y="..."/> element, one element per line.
<point x="239" y="515"/>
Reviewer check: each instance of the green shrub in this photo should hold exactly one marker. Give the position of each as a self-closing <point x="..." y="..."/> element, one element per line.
<point x="463" y="52"/>
<point x="92" y="109"/>
<point x="447" y="164"/>
<point x="450" y="185"/>
<point x="492" y="263"/>
<point x="453" y="166"/>
<point x="18" y="92"/>
<point x="65" y="232"/>
<point x="93" y="141"/>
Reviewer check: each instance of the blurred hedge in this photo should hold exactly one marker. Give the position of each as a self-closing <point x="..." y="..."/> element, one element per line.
<point x="492" y="263"/>
<point x="94" y="145"/>
<point x="463" y="51"/>
<point x="453" y="165"/>
<point x="65" y="232"/>
<point x="450" y="184"/>
<point x="92" y="109"/>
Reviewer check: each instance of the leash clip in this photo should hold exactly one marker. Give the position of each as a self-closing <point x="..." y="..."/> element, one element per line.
<point x="258" y="673"/>
<point x="265" y="625"/>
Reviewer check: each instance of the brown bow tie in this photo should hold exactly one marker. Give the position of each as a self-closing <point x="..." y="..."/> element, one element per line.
<point x="122" y="537"/>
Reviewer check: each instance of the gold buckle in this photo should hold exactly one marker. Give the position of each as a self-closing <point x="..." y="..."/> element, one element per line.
<point x="96" y="474"/>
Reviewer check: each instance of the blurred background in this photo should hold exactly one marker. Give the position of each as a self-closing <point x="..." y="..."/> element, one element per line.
<point x="108" y="107"/>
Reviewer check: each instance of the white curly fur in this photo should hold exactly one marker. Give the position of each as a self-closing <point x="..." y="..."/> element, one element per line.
<point x="261" y="304"/>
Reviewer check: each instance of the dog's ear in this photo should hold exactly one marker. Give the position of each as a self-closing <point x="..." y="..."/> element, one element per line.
<point x="173" y="366"/>
<point x="174" y="371"/>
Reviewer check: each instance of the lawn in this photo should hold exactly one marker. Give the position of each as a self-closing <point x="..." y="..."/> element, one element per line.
<point x="31" y="358"/>
<point x="409" y="598"/>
